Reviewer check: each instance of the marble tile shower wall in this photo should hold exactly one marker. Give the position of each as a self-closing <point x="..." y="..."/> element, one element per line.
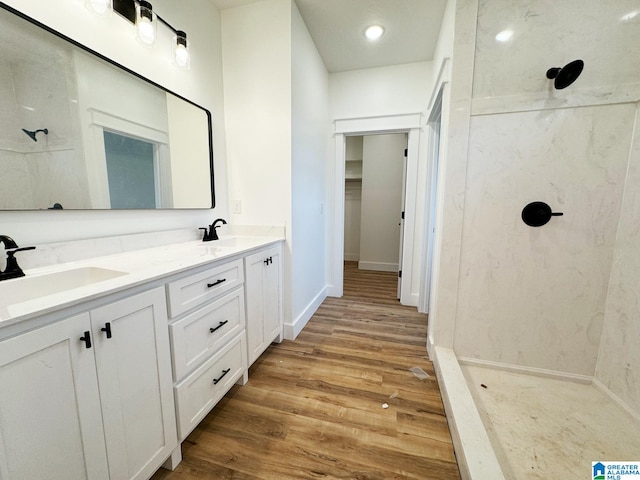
<point x="536" y="297"/>
<point x="618" y="366"/>
<point x="43" y="172"/>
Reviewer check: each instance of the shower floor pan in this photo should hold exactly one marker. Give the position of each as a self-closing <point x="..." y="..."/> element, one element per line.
<point x="542" y="428"/>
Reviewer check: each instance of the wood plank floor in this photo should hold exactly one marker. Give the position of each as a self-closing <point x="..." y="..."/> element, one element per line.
<point x="313" y="407"/>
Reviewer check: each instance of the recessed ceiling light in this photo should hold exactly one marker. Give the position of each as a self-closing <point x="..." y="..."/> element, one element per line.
<point x="374" y="32"/>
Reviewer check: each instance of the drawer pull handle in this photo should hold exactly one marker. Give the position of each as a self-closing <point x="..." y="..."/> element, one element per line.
<point x="86" y="339"/>
<point x="217" y="282"/>
<point x="224" y="372"/>
<point x="220" y="325"/>
<point x="107" y="329"/>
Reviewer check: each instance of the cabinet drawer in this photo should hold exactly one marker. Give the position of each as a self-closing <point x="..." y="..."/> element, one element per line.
<point x="197" y="336"/>
<point x="197" y="394"/>
<point x="191" y="291"/>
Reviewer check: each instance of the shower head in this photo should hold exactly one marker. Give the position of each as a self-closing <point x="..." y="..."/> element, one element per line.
<point x="566" y="75"/>
<point x="32" y="133"/>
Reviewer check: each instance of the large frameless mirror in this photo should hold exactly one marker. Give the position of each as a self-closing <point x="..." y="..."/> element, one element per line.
<point x="78" y="131"/>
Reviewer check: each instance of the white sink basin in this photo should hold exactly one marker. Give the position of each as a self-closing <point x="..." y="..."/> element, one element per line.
<point x="28" y="288"/>
<point x="234" y="242"/>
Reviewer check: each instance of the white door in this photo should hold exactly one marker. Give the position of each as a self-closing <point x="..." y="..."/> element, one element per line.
<point x="50" y="421"/>
<point x="134" y="374"/>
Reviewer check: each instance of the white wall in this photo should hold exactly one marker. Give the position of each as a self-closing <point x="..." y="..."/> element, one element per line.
<point x="115" y="38"/>
<point x="309" y="151"/>
<point x="256" y="42"/>
<point x="276" y="99"/>
<point x="382" y="159"/>
<point x="380" y="91"/>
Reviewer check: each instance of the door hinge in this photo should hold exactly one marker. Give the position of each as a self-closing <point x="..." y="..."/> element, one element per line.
<point x="406" y="152"/>
<point x="399" y="273"/>
<point x="403" y="215"/>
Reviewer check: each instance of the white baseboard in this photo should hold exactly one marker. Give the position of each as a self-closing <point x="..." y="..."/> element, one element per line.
<point x="538" y="372"/>
<point x="615" y="398"/>
<point x="410" y="300"/>
<point x="351" y="257"/>
<point x="378" y="266"/>
<point x="291" y="331"/>
<point x="333" y="291"/>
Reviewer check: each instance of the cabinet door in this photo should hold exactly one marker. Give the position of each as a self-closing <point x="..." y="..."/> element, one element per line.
<point x="262" y="283"/>
<point x="271" y="301"/>
<point x="134" y="375"/>
<point x="50" y="422"/>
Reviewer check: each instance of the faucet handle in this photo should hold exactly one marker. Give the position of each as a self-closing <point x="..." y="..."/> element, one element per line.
<point x="207" y="235"/>
<point x="12" y="269"/>
<point x="11" y="251"/>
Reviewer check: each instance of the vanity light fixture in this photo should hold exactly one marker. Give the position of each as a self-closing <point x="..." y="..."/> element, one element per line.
<point x="142" y="15"/>
<point x="374" y="32"/>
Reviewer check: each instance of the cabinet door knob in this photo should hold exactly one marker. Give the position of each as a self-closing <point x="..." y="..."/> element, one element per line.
<point x="107" y="329"/>
<point x="220" y="325"/>
<point x="224" y="372"/>
<point x="86" y="339"/>
<point x="217" y="282"/>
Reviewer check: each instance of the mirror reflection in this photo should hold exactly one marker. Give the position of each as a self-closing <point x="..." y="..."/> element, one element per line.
<point x="78" y="132"/>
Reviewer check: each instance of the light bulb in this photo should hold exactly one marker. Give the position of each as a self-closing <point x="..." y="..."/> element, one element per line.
<point x="146" y="31"/>
<point x="182" y="49"/>
<point x="98" y="6"/>
<point x="145" y="23"/>
<point x="182" y="55"/>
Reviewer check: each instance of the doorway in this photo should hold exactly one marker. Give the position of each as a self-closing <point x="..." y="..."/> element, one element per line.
<point x="375" y="169"/>
<point x="408" y="124"/>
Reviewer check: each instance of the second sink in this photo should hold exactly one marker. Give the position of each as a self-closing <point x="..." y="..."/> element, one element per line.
<point x="32" y="287"/>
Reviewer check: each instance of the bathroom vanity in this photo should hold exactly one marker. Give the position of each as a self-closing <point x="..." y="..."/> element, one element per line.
<point x="107" y="364"/>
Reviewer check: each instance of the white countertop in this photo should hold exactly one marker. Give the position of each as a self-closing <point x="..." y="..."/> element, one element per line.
<point x="132" y="269"/>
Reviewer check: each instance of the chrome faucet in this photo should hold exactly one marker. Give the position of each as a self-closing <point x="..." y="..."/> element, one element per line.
<point x="211" y="233"/>
<point x="12" y="269"/>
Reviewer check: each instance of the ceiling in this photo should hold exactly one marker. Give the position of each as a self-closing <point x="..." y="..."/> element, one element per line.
<point x="337" y="28"/>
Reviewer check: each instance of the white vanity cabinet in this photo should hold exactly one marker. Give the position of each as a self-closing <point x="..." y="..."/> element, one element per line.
<point x="263" y="277"/>
<point x="207" y="339"/>
<point x="134" y="377"/>
<point x="89" y="397"/>
<point x="50" y="417"/>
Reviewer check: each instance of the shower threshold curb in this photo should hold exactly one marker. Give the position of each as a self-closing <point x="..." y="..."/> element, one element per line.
<point x="474" y="453"/>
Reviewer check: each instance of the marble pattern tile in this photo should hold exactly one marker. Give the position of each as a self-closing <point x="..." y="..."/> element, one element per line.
<point x="546" y="35"/>
<point x="14" y="179"/>
<point x="619" y="360"/>
<point x="535" y="296"/>
<point x="544" y="428"/>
